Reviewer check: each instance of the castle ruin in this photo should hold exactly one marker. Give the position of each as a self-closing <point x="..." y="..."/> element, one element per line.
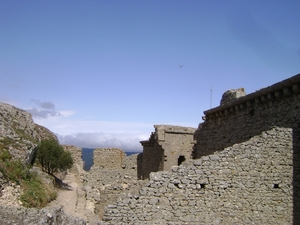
<point x="167" y="146"/>
<point x="245" y="167"/>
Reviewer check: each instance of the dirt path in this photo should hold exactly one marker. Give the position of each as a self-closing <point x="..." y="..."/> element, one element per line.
<point x="73" y="201"/>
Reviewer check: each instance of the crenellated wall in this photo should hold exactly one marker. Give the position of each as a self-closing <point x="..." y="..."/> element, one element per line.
<point x="167" y="146"/>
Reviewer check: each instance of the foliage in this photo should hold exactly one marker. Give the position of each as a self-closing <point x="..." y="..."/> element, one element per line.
<point x="35" y="192"/>
<point x="52" y="156"/>
<point x="5" y="155"/>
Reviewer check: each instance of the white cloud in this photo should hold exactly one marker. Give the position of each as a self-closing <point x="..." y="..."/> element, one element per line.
<point x="44" y="109"/>
<point x="125" y="141"/>
<point x="92" y="134"/>
<point x="81" y="132"/>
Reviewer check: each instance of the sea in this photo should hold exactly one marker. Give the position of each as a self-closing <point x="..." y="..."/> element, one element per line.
<point x="87" y="157"/>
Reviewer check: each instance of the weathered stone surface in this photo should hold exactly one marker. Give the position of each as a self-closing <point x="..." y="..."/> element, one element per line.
<point x="19" y="134"/>
<point x="168" y="146"/>
<point x="77" y="167"/>
<point x="108" y="158"/>
<point x="232" y="95"/>
<point x="244" y="194"/>
<point x="247" y="171"/>
<point x="11" y="215"/>
<point x="108" y="182"/>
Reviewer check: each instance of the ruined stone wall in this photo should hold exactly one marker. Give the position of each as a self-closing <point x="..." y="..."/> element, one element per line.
<point x="106" y="183"/>
<point x="276" y="105"/>
<point x="238" y="121"/>
<point x="76" y="153"/>
<point x="247" y="183"/>
<point x="108" y="158"/>
<point x="246" y="168"/>
<point x="166" y="147"/>
<point x="152" y="160"/>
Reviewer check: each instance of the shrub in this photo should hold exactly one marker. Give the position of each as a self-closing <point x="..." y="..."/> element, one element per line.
<point x="35" y="192"/>
<point x="53" y="157"/>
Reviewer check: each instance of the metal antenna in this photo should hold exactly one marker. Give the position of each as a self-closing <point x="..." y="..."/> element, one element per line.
<point x="210" y="95"/>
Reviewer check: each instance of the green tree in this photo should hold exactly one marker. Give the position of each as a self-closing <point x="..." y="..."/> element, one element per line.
<point x="53" y="157"/>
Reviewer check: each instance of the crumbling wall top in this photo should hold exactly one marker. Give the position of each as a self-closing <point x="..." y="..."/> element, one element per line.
<point x="276" y="91"/>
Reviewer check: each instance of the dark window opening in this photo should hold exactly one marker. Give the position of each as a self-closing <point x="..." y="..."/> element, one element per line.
<point x="202" y="185"/>
<point x="165" y="158"/>
<point x="276" y="186"/>
<point x="181" y="159"/>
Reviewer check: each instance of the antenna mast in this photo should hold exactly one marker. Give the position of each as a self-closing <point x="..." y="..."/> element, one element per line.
<point x="210" y="95"/>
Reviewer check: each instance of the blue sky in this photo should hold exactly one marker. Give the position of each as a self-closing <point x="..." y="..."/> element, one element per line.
<point x="102" y="73"/>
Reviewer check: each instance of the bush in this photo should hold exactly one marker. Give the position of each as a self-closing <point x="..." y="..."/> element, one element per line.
<point x="5" y="155"/>
<point x="35" y="192"/>
<point x="53" y="157"/>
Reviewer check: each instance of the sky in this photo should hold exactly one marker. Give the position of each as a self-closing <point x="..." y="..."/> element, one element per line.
<point x="101" y="73"/>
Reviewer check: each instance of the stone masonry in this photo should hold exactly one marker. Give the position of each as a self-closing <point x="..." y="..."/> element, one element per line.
<point x="76" y="153"/>
<point x="106" y="182"/>
<point x="108" y="158"/>
<point x="245" y="170"/>
<point x="167" y="146"/>
<point x="232" y="95"/>
<point x="236" y="122"/>
<point x="247" y="183"/>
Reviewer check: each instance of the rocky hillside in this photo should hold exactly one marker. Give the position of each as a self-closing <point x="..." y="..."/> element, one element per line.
<point x="18" y="133"/>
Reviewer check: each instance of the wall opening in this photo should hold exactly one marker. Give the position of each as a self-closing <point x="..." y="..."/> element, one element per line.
<point x="181" y="159"/>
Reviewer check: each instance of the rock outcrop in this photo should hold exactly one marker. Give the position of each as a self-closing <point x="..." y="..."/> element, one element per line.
<point x="19" y="134"/>
<point x="31" y="216"/>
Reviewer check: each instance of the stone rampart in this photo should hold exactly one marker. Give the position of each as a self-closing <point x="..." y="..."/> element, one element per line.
<point x="276" y="105"/>
<point x="167" y="146"/>
<point x="245" y="170"/>
<point x="247" y="183"/>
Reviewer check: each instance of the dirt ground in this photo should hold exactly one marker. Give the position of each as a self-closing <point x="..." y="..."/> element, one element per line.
<point x="72" y="200"/>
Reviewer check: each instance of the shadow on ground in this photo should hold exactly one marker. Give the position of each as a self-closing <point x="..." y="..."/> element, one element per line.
<point x="60" y="184"/>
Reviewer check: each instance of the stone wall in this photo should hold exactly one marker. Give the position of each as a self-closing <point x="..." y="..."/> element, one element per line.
<point x="276" y="105"/>
<point x="245" y="170"/>
<point x="232" y="95"/>
<point x="238" y="121"/>
<point x="108" y="158"/>
<point x="106" y="182"/>
<point x="166" y="147"/>
<point x="76" y="153"/>
<point x="247" y="183"/>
